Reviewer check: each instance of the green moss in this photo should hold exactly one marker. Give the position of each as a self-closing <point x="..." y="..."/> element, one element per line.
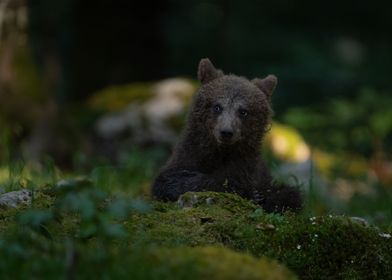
<point x="216" y="263"/>
<point x="7" y="218"/>
<point x="170" y="224"/>
<point x="41" y="200"/>
<point x="214" y="200"/>
<point x="327" y="246"/>
<point x="116" y="98"/>
<point x="175" y="239"/>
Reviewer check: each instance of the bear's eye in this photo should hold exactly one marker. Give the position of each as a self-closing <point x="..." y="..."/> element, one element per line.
<point x="218" y="108"/>
<point x="243" y="112"/>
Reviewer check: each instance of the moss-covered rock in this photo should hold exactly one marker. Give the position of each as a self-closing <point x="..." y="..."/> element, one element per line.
<point x="143" y="112"/>
<point x="214" y="263"/>
<point x="117" y="98"/>
<point x="324" y="246"/>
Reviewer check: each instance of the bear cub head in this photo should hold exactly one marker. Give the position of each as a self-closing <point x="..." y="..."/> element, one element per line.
<point x="232" y="109"/>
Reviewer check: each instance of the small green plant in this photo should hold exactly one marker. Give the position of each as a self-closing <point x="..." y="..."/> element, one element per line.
<point x="82" y="220"/>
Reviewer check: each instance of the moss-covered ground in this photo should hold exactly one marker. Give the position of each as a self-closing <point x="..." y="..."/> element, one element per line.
<point x="76" y="230"/>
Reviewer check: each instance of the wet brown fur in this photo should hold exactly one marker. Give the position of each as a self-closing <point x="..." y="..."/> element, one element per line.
<point x="202" y="162"/>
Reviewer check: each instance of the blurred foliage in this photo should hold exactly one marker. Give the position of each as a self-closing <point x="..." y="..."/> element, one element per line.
<point x="30" y="84"/>
<point x="341" y="165"/>
<point x="20" y="100"/>
<point x="374" y="207"/>
<point x="286" y="144"/>
<point x="116" y="98"/>
<point x="133" y="172"/>
<point x="362" y="125"/>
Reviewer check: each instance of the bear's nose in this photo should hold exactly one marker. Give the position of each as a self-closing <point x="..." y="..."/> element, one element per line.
<point x="226" y="134"/>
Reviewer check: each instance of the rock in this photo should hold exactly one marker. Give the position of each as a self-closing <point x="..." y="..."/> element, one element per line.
<point x="151" y="119"/>
<point x="264" y="226"/>
<point x="360" y="221"/>
<point x="215" y="199"/>
<point x="188" y="200"/>
<point x="140" y="114"/>
<point x="15" y="199"/>
<point x="73" y="184"/>
<point x="303" y="174"/>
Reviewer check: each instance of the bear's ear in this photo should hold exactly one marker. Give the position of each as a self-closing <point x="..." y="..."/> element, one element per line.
<point x="207" y="72"/>
<point x="267" y="85"/>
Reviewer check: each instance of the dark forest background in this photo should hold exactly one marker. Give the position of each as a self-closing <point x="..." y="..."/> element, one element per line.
<point x="317" y="49"/>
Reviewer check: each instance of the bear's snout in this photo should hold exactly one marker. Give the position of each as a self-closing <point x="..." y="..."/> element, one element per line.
<point x="226" y="134"/>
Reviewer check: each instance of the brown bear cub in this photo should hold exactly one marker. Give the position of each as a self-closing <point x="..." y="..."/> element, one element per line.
<point x="220" y="146"/>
